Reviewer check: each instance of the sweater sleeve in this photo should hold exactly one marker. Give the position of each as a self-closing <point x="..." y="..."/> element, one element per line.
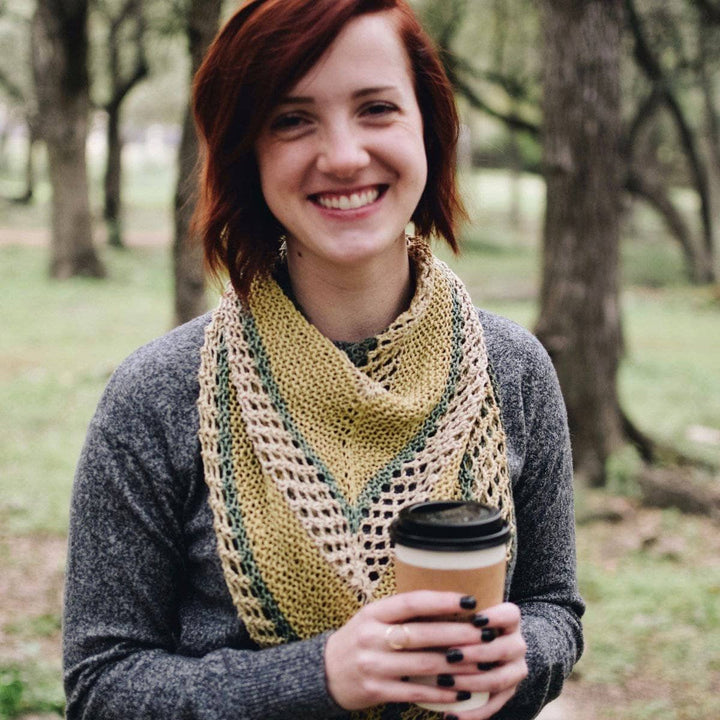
<point x="125" y="575"/>
<point x="544" y="583"/>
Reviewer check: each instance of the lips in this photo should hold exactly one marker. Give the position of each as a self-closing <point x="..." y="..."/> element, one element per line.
<point x="349" y="200"/>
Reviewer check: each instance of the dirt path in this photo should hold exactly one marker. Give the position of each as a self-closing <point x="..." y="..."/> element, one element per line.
<point x="40" y="237"/>
<point x="31" y="580"/>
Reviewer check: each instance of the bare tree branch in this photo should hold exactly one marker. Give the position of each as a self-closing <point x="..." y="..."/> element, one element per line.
<point x="650" y="65"/>
<point x="12" y="89"/>
<point x="710" y="11"/>
<point x="513" y="121"/>
<point x="645" y="112"/>
<point x="639" y="184"/>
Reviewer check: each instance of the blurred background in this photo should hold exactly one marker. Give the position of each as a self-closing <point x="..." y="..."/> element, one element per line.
<point x="590" y="165"/>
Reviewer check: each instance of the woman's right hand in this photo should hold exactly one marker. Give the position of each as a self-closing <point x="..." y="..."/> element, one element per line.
<point x="365" y="660"/>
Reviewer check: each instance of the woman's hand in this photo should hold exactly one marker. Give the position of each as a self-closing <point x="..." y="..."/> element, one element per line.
<point x="368" y="661"/>
<point x="495" y="666"/>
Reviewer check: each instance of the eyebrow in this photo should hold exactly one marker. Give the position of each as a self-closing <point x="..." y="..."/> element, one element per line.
<point x="305" y="100"/>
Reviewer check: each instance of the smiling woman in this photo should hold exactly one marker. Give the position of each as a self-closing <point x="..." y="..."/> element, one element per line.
<point x="271" y="48"/>
<point x="229" y="547"/>
<point x="342" y="167"/>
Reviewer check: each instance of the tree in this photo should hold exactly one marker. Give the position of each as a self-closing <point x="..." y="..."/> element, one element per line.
<point x="579" y="320"/>
<point x="699" y="256"/>
<point x="203" y="17"/>
<point x="125" y="31"/>
<point x="16" y="87"/>
<point x="678" y="58"/>
<point x="60" y="48"/>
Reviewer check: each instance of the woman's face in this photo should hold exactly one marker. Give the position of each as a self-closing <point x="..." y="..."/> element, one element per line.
<point x="342" y="158"/>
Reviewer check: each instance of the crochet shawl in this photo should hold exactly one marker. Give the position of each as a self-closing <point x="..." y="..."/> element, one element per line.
<point x="308" y="457"/>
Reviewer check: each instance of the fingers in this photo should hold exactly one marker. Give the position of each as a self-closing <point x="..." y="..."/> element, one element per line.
<point x="361" y="673"/>
<point x="421" y="603"/>
<point x="494" y="681"/>
<point x="493" y="650"/>
<point x="367" y="659"/>
<point x="505" y="616"/>
<point x="422" y="635"/>
<point x="486" y="711"/>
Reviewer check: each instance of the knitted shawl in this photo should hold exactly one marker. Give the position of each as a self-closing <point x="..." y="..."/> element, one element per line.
<point x="308" y="457"/>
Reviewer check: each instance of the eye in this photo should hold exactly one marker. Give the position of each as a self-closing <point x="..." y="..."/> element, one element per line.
<point x="379" y="109"/>
<point x="289" y="123"/>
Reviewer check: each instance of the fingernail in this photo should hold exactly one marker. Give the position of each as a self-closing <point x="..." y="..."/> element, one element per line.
<point x="445" y="680"/>
<point x="486" y="666"/>
<point x="468" y="602"/>
<point x="479" y="620"/>
<point x="463" y="695"/>
<point x="488" y="634"/>
<point x="454" y="655"/>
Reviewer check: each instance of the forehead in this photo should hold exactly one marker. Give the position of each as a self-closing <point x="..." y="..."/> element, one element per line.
<point x="367" y="50"/>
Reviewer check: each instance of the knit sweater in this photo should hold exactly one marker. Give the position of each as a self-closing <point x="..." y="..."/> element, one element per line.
<point x="150" y="630"/>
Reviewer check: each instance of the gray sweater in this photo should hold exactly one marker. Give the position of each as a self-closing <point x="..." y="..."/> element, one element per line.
<point x="150" y="630"/>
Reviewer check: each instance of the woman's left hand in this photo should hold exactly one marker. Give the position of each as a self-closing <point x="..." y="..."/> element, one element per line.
<point x="496" y="665"/>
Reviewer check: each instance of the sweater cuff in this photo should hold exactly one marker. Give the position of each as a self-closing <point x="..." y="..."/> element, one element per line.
<point x="546" y="672"/>
<point x="275" y="683"/>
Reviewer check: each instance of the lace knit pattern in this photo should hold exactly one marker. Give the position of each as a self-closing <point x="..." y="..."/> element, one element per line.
<point x="308" y="457"/>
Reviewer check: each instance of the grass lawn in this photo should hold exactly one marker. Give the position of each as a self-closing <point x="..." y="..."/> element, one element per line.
<point x="652" y="580"/>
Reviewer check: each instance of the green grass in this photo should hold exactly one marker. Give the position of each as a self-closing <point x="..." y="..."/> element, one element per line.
<point x="653" y="619"/>
<point x="670" y="380"/>
<point x="30" y="688"/>
<point x="61" y="342"/>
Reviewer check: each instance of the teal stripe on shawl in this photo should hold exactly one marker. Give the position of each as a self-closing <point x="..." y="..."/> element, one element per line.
<point x="240" y="539"/>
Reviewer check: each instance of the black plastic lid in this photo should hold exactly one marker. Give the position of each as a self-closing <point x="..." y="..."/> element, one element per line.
<point x="451" y="525"/>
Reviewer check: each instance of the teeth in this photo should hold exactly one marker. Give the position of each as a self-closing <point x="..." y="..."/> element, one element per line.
<point x="349" y="202"/>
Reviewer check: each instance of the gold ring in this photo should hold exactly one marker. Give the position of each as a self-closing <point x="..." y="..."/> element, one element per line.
<point x="393" y="642"/>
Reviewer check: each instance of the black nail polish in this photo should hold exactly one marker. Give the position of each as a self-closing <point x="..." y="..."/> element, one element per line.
<point x="463" y="695"/>
<point x="488" y="634"/>
<point x="445" y="680"/>
<point x="486" y="666"/>
<point x="454" y="655"/>
<point x="480" y="620"/>
<point x="468" y="602"/>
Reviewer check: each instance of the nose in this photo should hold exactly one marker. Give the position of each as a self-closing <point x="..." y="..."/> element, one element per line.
<point x="342" y="152"/>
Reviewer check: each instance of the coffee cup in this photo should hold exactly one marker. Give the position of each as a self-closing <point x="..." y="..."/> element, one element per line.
<point x="451" y="546"/>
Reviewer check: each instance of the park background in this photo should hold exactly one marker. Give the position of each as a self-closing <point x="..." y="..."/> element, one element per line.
<point x="650" y="574"/>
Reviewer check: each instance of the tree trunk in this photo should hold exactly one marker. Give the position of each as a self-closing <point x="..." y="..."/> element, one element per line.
<point x="708" y="36"/>
<point x="60" y="68"/>
<point x="29" y="191"/>
<point x="202" y="24"/>
<point x="579" y="321"/>
<point x="131" y="14"/>
<point x="689" y="489"/>
<point x="113" y="175"/>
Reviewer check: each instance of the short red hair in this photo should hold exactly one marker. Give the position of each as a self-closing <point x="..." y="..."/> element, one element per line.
<point x="258" y="56"/>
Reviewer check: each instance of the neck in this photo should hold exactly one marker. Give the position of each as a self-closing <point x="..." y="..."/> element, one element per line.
<point x="351" y="304"/>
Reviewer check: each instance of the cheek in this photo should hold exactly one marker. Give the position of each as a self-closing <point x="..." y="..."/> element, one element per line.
<point x="415" y="149"/>
<point x="282" y="170"/>
<point x="418" y="162"/>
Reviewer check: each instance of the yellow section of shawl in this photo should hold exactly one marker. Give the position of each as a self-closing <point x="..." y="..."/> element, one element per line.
<point x="325" y="393"/>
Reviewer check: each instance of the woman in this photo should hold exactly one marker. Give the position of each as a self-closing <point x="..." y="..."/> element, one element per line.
<point x="229" y="555"/>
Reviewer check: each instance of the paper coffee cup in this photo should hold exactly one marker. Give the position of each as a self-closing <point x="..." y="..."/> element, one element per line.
<point x="451" y="546"/>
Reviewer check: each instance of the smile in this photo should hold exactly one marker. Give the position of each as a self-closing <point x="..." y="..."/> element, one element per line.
<point x="350" y="201"/>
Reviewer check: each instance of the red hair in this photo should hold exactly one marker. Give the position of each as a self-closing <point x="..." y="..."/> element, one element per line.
<point x="258" y="56"/>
